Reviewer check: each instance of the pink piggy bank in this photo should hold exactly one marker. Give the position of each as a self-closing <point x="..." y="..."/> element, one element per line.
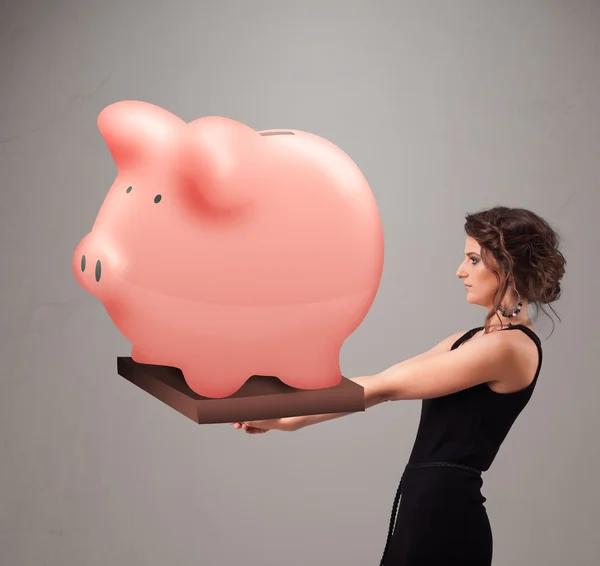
<point x="228" y="252"/>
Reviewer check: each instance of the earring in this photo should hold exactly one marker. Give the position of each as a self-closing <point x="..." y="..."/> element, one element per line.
<point x="516" y="310"/>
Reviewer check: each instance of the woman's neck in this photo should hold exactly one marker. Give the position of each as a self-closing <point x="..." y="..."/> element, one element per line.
<point x="521" y="319"/>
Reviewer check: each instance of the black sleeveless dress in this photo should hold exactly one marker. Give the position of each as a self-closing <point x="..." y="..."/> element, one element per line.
<point x="441" y="517"/>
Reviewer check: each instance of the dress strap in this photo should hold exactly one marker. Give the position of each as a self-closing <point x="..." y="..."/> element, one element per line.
<point x="466" y="336"/>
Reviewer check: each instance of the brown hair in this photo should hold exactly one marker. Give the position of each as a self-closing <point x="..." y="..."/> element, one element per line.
<point x="525" y="247"/>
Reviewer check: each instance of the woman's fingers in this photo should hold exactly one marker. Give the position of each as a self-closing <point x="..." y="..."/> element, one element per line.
<point x="249" y="428"/>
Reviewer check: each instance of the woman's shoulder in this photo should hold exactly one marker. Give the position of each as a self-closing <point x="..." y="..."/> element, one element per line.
<point x="524" y="349"/>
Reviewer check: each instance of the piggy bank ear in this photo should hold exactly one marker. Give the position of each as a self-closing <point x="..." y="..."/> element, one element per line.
<point x="136" y="130"/>
<point x="220" y="156"/>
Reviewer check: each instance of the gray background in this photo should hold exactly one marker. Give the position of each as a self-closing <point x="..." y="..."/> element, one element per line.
<point x="447" y="107"/>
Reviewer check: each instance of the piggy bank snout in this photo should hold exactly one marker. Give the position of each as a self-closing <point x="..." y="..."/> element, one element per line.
<point x="91" y="266"/>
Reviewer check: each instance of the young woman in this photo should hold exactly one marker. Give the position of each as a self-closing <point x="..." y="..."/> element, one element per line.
<point x="473" y="385"/>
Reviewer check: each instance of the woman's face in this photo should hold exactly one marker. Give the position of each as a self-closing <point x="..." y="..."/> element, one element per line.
<point x="481" y="281"/>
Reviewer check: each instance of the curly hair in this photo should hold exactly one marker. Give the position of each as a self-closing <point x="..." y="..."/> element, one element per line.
<point x="525" y="248"/>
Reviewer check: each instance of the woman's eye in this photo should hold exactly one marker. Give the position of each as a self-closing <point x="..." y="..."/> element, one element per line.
<point x="475" y="261"/>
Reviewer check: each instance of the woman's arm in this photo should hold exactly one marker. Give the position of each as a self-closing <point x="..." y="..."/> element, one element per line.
<point x="493" y="360"/>
<point x="497" y="358"/>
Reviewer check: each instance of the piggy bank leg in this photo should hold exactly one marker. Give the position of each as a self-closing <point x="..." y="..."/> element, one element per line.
<point x="215" y="380"/>
<point x="310" y="367"/>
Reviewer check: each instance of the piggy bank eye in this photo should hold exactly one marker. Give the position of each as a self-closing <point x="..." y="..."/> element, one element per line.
<point x="157" y="198"/>
<point x="128" y="189"/>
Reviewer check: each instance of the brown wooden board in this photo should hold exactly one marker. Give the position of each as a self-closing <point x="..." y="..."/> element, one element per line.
<point x="261" y="397"/>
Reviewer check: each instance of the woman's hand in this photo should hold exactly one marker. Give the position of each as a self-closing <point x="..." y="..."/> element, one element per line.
<point x="260" y="427"/>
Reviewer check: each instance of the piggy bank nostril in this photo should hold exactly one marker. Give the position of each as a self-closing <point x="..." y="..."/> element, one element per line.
<point x="83" y="263"/>
<point x="98" y="270"/>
